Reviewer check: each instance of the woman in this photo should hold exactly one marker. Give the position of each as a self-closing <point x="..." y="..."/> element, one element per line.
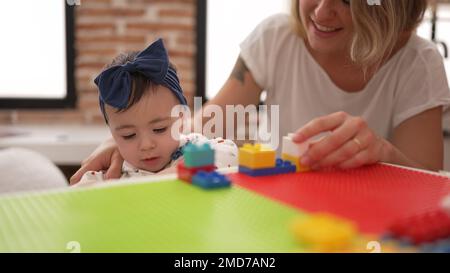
<point x="346" y="67"/>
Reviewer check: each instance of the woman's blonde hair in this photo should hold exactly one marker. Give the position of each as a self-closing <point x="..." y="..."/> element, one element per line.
<point x="377" y="28"/>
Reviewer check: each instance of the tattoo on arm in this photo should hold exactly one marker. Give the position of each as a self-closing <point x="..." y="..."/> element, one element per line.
<point x="239" y="70"/>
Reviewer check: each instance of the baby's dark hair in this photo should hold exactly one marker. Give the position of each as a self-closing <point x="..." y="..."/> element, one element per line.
<point x="139" y="83"/>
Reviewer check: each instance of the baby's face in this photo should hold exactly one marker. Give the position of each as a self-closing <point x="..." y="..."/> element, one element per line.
<point x="143" y="132"/>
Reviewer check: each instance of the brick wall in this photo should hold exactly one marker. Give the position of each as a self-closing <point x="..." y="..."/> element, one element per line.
<point x="103" y="28"/>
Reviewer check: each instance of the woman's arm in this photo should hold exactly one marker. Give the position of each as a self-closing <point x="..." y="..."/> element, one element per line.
<point x="239" y="89"/>
<point x="418" y="141"/>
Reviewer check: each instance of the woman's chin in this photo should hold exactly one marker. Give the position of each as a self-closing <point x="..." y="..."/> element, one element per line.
<point x="324" y="48"/>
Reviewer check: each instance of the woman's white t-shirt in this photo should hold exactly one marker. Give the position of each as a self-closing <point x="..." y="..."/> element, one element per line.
<point x="412" y="81"/>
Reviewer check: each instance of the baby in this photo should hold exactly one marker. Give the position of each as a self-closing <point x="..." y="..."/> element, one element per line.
<point x="137" y="94"/>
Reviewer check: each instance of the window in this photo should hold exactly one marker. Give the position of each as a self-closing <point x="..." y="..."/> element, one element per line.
<point x="36" y="54"/>
<point x="223" y="25"/>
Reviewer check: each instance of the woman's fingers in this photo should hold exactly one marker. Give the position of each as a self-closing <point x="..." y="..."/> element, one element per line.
<point x="105" y="157"/>
<point x="319" y="125"/>
<point x="350" y="143"/>
<point x="336" y="140"/>
<point x="87" y="165"/>
<point x="345" y="152"/>
<point x="360" y="159"/>
<point x="367" y="156"/>
<point x="77" y="176"/>
<point x="110" y="161"/>
<point x="115" y="168"/>
<point x="349" y="149"/>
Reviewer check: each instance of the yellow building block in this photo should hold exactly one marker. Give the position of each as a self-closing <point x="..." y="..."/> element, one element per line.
<point x="324" y="232"/>
<point x="257" y="156"/>
<point x="295" y="161"/>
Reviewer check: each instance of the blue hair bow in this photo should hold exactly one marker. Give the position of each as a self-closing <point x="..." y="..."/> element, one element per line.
<point x="114" y="83"/>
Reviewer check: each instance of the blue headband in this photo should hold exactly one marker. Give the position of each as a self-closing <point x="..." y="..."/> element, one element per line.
<point x="114" y="83"/>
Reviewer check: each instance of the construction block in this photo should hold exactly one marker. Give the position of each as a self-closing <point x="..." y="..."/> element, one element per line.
<point x="324" y="232"/>
<point x="184" y="173"/>
<point x="281" y="167"/>
<point x="296" y="162"/>
<point x="210" y="180"/>
<point x="293" y="149"/>
<point x="198" y="155"/>
<point x="423" y="228"/>
<point x="256" y="156"/>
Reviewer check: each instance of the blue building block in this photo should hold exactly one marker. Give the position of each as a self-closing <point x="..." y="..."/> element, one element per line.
<point x="198" y="155"/>
<point x="210" y="180"/>
<point x="281" y="167"/>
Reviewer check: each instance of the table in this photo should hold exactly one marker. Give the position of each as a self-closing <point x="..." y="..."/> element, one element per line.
<point x="162" y="214"/>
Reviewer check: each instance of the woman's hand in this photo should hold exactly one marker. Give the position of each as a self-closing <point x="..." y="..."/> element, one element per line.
<point x="105" y="157"/>
<point x="350" y="144"/>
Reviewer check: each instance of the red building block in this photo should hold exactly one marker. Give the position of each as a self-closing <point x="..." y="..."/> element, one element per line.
<point x="422" y="228"/>
<point x="186" y="173"/>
